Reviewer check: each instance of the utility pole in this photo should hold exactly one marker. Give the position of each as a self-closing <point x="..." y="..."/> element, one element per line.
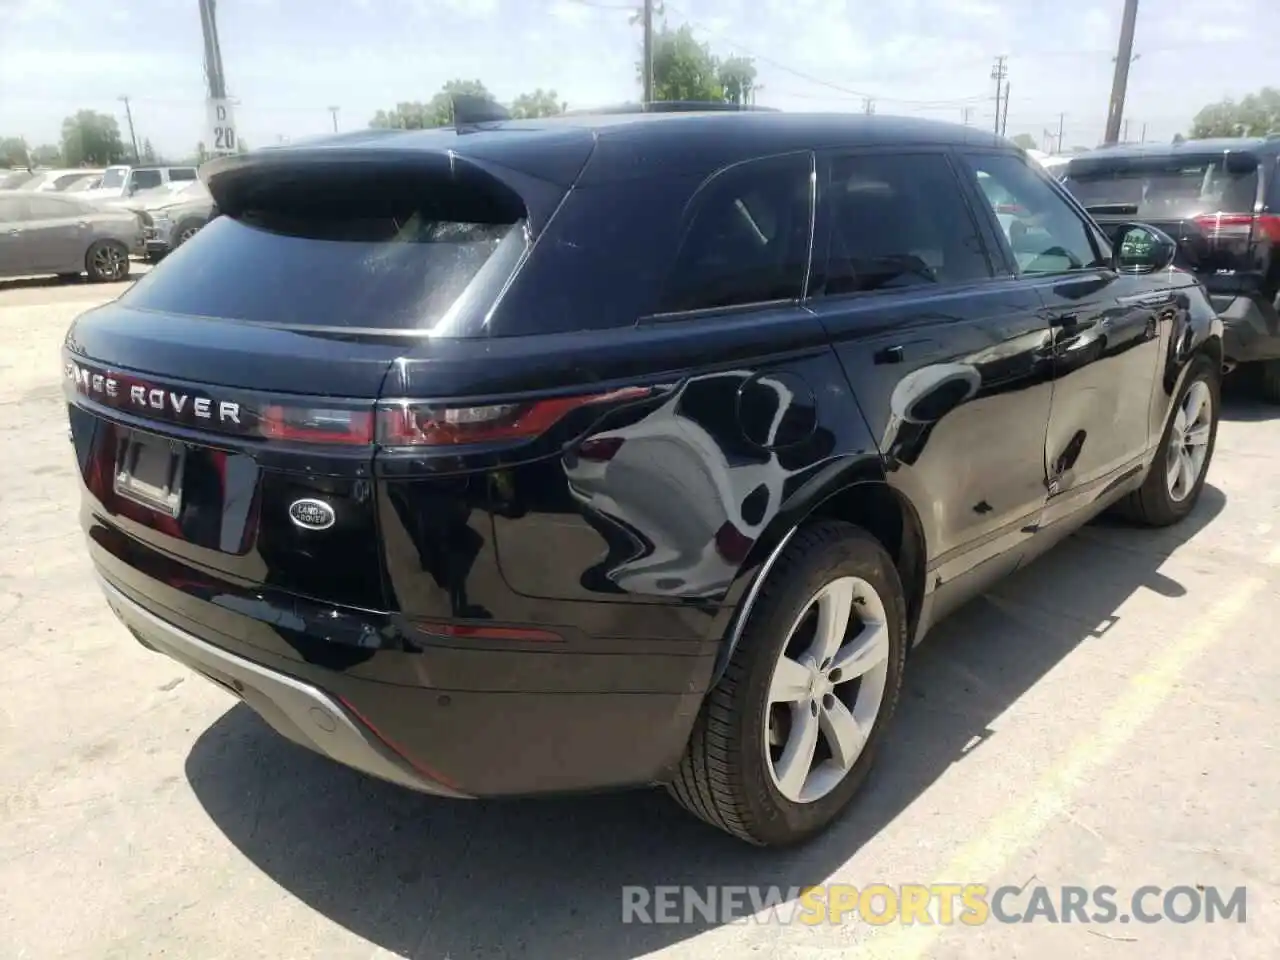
<point x="648" y="51"/>
<point x="1143" y="138"/>
<point x="1120" y="83"/>
<point x="967" y="113"/>
<point x="212" y="51"/>
<point x="868" y="106"/>
<point x="998" y="73"/>
<point x="1062" y="119"/>
<point x="132" y="137"/>
<point x="1004" y="121"/>
<point x="1125" y="137"/>
<point x="334" y="111"/>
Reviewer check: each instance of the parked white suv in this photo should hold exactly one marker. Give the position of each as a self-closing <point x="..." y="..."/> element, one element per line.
<point x="125" y="181"/>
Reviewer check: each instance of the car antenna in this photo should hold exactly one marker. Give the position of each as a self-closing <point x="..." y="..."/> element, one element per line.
<point x="471" y="111"/>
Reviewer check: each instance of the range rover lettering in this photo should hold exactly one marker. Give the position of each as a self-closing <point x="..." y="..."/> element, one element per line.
<point x="622" y="449"/>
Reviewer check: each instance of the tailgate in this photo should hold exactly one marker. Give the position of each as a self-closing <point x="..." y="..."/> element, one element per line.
<point x="268" y="486"/>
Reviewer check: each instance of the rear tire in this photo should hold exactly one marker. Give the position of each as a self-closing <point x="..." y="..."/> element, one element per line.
<point x="107" y="261"/>
<point x="1162" y="501"/>
<point x="736" y="773"/>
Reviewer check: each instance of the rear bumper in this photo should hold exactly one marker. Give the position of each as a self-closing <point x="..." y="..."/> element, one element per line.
<point x="448" y="719"/>
<point x="297" y="710"/>
<point x="1251" y="328"/>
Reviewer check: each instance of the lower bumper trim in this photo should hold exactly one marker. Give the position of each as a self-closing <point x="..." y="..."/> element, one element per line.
<point x="296" y="710"/>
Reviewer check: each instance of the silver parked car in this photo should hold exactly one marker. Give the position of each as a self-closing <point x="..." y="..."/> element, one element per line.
<point x="56" y="181"/>
<point x="123" y="180"/>
<point x="172" y="220"/>
<point x="47" y="233"/>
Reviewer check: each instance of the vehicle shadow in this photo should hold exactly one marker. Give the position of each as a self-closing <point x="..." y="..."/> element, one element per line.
<point x="31" y="283"/>
<point x="1242" y="400"/>
<point x="423" y="877"/>
<point x="136" y="269"/>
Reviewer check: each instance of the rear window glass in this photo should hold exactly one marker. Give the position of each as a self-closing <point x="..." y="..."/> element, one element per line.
<point x="405" y="272"/>
<point x="1164" y="187"/>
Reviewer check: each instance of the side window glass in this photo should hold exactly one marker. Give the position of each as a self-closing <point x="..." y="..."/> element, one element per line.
<point x="178" y="174"/>
<point x="899" y="221"/>
<point x="146" y="179"/>
<point x="747" y="240"/>
<point x="1044" y="233"/>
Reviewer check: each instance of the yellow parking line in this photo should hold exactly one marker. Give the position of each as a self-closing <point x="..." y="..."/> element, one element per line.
<point x="1015" y="827"/>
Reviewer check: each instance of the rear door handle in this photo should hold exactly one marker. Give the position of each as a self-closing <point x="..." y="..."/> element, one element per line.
<point x="897" y="353"/>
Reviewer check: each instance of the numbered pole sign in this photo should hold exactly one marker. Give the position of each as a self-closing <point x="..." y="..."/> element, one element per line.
<point x="221" y="137"/>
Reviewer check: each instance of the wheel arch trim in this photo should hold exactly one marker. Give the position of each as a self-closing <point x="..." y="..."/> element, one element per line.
<point x="822" y="489"/>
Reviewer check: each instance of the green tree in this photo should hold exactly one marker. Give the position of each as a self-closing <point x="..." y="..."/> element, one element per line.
<point x="738" y="79"/>
<point x="89" y="137"/>
<point x="13" y="152"/>
<point x="440" y="108"/>
<point x="436" y="112"/>
<point x="683" y="68"/>
<point x="540" y="103"/>
<point x="1025" y="141"/>
<point x="46" y="155"/>
<point x="1256" y="115"/>
<point x="410" y="115"/>
<point x="148" y="151"/>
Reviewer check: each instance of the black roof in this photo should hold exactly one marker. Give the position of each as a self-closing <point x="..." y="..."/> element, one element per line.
<point x="625" y="144"/>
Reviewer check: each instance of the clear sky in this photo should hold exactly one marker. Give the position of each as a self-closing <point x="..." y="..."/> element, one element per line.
<point x="286" y="61"/>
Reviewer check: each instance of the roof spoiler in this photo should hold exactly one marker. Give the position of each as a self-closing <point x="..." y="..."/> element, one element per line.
<point x="470" y="111"/>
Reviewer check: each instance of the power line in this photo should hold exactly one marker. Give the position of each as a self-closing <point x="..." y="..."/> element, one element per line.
<point x="630" y="7"/>
<point x="777" y="64"/>
<point x="919" y="104"/>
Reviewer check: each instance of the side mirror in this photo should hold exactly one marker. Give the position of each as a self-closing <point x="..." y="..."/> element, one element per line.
<point x="1140" y="248"/>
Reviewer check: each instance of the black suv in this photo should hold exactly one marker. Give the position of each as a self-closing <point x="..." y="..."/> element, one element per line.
<point x="1220" y="199"/>
<point x="556" y="455"/>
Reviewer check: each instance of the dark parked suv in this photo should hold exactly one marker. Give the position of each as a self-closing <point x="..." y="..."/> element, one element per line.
<point x="557" y="455"/>
<point x="1220" y="199"/>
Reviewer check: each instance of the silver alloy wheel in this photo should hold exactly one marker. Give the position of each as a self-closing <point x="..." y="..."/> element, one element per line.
<point x="109" y="262"/>
<point x="1189" y="441"/>
<point x="187" y="234"/>
<point x="826" y="689"/>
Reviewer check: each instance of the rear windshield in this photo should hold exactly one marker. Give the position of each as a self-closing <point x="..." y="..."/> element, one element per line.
<point x="114" y="177"/>
<point x="409" y="271"/>
<point x="1163" y="187"/>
